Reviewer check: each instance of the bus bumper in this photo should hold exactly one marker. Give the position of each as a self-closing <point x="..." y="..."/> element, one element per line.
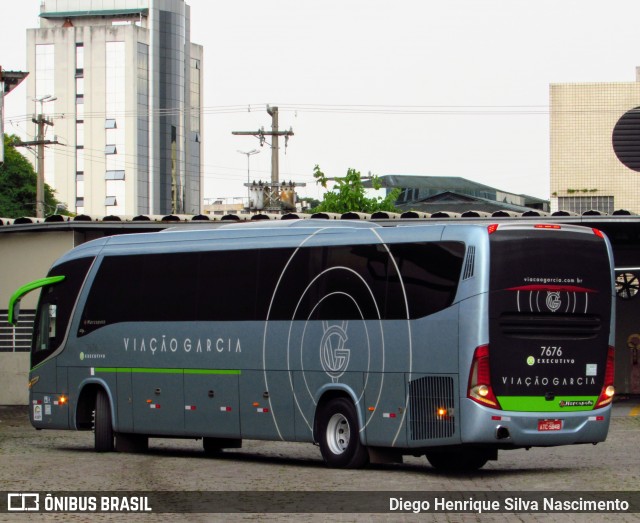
<point x="482" y="425"/>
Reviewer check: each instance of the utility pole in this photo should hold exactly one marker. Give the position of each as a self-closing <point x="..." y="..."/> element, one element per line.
<point x="40" y="142"/>
<point x="272" y="192"/>
<point x="275" y="133"/>
<point x="275" y="160"/>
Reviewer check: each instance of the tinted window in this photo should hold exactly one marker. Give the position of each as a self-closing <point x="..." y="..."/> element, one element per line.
<point x="430" y="275"/>
<point x="368" y="281"/>
<point x="337" y="282"/>
<point x="141" y="288"/>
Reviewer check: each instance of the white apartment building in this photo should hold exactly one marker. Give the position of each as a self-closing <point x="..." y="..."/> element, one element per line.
<point x="122" y="84"/>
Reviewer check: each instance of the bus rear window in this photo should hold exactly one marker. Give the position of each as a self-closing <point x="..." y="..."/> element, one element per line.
<point x="549" y="314"/>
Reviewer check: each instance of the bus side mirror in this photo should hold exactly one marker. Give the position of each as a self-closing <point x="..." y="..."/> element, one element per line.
<point x="14" y="302"/>
<point x="14" y="313"/>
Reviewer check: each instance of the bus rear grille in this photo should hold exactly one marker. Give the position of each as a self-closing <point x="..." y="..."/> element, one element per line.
<point x="431" y="407"/>
<point x="567" y="326"/>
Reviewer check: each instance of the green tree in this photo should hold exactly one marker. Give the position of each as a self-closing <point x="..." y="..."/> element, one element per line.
<point x="349" y="194"/>
<point x="18" y="182"/>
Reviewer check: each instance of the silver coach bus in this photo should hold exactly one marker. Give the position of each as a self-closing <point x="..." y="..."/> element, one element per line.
<point x="453" y="341"/>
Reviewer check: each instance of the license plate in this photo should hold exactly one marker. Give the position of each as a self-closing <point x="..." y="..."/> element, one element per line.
<point x="548" y="425"/>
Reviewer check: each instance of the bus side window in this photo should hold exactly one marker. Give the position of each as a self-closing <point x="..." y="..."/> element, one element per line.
<point x="47" y="328"/>
<point x="52" y="320"/>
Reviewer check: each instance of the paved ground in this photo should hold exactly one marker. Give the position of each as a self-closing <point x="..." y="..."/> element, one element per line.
<point x="627" y="406"/>
<point x="33" y="460"/>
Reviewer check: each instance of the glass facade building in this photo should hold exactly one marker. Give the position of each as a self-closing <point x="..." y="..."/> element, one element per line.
<point x="131" y="78"/>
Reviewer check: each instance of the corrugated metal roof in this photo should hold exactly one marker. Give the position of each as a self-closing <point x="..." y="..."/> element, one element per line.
<point x="444" y="184"/>
<point x="104" y="12"/>
<point x="459" y="203"/>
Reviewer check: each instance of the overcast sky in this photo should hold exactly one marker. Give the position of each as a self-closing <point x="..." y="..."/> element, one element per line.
<point x="421" y="87"/>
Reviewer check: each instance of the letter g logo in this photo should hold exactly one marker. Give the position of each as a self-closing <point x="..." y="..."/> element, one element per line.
<point x="333" y="354"/>
<point x="553" y="301"/>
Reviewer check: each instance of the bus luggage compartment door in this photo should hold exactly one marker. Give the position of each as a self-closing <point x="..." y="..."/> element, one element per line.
<point x="211" y="405"/>
<point x="266" y="413"/>
<point x="158" y="402"/>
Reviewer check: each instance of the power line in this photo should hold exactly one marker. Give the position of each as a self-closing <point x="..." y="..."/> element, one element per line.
<point x="468" y="110"/>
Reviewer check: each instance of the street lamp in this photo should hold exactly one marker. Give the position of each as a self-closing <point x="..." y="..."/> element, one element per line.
<point x="44" y="99"/>
<point x="248" y="154"/>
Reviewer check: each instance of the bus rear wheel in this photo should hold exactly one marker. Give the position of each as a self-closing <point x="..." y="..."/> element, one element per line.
<point x="339" y="435"/>
<point x="463" y="460"/>
<point x="102" y="423"/>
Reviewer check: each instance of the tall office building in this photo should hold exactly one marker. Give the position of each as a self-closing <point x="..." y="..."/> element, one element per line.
<point x="122" y="84"/>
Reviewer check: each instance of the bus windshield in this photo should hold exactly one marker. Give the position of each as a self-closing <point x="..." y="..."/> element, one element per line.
<point x="55" y="308"/>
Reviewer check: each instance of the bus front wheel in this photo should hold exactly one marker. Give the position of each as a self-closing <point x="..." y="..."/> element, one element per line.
<point x="339" y="435"/>
<point x="102" y="423"/>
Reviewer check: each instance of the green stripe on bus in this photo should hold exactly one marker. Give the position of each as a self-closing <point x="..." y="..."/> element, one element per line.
<point x="146" y="370"/>
<point x="540" y="404"/>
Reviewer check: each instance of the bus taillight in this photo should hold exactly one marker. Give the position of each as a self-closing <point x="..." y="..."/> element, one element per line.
<point x="608" y="390"/>
<point x="480" y="389"/>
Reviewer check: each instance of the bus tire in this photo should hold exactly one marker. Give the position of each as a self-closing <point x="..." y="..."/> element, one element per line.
<point x="339" y="435"/>
<point x="463" y="460"/>
<point x="102" y="423"/>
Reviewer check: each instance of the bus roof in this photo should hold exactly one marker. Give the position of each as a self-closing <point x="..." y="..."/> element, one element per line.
<point x="288" y="233"/>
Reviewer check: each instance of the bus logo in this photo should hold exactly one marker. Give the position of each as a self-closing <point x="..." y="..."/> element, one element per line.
<point x="553" y="301"/>
<point x="334" y="357"/>
<point x="538" y="298"/>
<point x="23" y="502"/>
